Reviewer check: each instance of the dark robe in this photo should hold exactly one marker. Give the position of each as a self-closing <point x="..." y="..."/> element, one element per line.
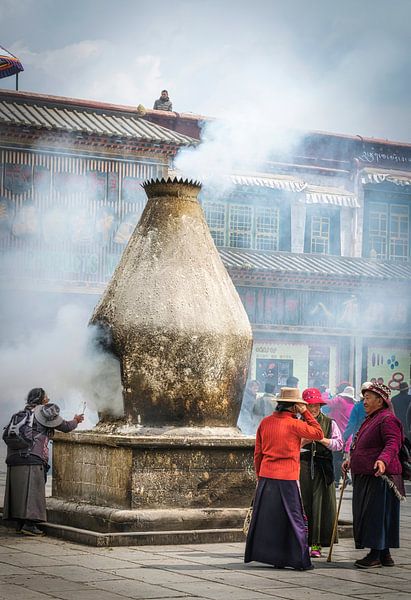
<point x="317" y="487"/>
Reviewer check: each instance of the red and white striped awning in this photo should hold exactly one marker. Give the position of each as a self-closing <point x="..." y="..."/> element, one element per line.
<point x="401" y="178"/>
<point x="277" y="182"/>
<point x="330" y="196"/>
<point x="310" y="194"/>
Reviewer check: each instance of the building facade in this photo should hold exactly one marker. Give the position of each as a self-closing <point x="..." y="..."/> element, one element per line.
<point x="317" y="243"/>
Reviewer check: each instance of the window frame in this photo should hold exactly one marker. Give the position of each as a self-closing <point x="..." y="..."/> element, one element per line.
<point x="278" y="238"/>
<point x="333" y="214"/>
<point x="390" y="202"/>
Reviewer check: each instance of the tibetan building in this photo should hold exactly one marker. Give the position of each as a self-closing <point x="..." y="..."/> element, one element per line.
<point x="317" y="243"/>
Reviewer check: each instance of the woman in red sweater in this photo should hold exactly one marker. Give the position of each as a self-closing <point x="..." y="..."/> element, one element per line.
<point x="278" y="528"/>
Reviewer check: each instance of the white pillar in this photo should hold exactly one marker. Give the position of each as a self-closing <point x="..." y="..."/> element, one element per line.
<point x="298" y="215"/>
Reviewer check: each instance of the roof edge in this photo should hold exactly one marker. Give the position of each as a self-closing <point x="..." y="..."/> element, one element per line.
<point x="172" y="115"/>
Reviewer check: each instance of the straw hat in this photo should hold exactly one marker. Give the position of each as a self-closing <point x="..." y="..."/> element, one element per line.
<point x="288" y="394"/>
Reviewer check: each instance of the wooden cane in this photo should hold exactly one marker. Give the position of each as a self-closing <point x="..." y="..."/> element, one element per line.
<point x="334" y="533"/>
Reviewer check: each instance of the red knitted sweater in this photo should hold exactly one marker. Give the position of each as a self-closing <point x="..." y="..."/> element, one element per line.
<point x="277" y="444"/>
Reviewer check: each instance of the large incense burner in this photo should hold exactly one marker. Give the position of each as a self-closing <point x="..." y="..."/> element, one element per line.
<point x="177" y="323"/>
<point x="176" y="462"/>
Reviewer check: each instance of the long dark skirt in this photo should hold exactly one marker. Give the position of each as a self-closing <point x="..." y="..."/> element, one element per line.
<point x="376" y="513"/>
<point x="319" y="503"/>
<point x="278" y="528"/>
<point x="25" y="494"/>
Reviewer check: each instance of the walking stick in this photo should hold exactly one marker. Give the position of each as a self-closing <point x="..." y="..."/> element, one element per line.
<point x="336" y="517"/>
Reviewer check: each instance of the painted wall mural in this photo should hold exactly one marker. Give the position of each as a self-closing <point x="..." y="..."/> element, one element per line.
<point x="391" y="364"/>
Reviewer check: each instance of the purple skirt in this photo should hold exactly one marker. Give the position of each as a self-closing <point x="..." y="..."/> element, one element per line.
<point x="278" y="533"/>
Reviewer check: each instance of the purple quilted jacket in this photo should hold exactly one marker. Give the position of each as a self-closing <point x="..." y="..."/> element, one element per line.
<point x="379" y="438"/>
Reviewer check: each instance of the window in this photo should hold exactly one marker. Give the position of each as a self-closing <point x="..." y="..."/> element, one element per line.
<point x="215" y="217"/>
<point x="386" y="231"/>
<point x="399" y="232"/>
<point x="267" y="228"/>
<point x="322" y="230"/>
<point x="320" y="235"/>
<point x="249" y="226"/>
<point x="378" y="231"/>
<point x="240" y="226"/>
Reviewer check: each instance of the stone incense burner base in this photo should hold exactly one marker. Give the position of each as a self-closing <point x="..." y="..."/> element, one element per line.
<point x="136" y="485"/>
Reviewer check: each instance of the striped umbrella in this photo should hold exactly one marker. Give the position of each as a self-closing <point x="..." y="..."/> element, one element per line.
<point x="9" y="64"/>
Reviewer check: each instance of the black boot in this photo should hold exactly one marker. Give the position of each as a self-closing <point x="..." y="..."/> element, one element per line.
<point x="371" y="561"/>
<point x="386" y="558"/>
<point x="30" y="528"/>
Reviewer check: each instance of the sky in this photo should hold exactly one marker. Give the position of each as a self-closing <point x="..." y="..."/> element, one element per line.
<point x="320" y="65"/>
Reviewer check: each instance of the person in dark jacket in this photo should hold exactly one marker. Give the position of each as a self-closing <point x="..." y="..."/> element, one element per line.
<point x="376" y="472"/>
<point x="408" y="423"/>
<point x="164" y="102"/>
<point x="25" y="494"/>
<point x="317" y="475"/>
<point x="401" y="403"/>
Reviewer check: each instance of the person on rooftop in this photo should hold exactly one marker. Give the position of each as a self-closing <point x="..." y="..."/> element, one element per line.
<point x="164" y="102"/>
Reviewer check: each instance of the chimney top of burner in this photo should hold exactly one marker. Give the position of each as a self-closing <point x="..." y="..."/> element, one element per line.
<point x="170" y="181"/>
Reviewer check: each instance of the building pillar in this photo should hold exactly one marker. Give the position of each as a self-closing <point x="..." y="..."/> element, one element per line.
<point x="298" y="216"/>
<point x="347" y="230"/>
<point x="358" y="346"/>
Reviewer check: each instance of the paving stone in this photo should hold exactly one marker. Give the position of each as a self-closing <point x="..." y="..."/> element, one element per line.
<point x="104" y="563"/>
<point x="88" y="595"/>
<point x="136" y="589"/>
<point x="305" y="593"/>
<point x="76" y="573"/>
<point x="149" y="575"/>
<point x="45" y="583"/>
<point x="10" y="569"/>
<point x="17" y="592"/>
<point x="217" y="591"/>
<point x="28" y="559"/>
<point x="387" y="596"/>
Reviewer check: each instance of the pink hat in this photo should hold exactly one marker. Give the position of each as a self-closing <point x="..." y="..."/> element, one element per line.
<point x="313" y="396"/>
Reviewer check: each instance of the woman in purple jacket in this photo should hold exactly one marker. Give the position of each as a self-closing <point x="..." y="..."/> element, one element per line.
<point x="378" y="486"/>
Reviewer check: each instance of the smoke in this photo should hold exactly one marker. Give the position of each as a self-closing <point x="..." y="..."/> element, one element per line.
<point x="231" y="144"/>
<point x="66" y="360"/>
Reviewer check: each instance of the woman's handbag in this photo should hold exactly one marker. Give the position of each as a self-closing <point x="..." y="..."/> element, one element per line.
<point x="405" y="459"/>
<point x="248" y="517"/>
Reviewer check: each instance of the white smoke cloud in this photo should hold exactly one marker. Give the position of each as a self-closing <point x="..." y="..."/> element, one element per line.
<point x="67" y="362"/>
<point x="234" y="143"/>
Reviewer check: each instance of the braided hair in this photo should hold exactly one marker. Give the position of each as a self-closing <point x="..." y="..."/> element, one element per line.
<point x="35" y="396"/>
<point x="285" y="406"/>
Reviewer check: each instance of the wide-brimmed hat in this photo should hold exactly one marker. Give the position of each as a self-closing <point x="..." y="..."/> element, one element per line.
<point x="348" y="392"/>
<point x="289" y="394"/>
<point x="378" y="388"/>
<point x="48" y="415"/>
<point x="313" y="396"/>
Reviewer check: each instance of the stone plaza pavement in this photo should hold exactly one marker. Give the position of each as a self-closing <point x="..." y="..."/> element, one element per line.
<point x="45" y="568"/>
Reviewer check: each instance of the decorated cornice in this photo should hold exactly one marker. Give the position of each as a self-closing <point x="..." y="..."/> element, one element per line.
<point x="87" y="144"/>
<point x="241" y="276"/>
